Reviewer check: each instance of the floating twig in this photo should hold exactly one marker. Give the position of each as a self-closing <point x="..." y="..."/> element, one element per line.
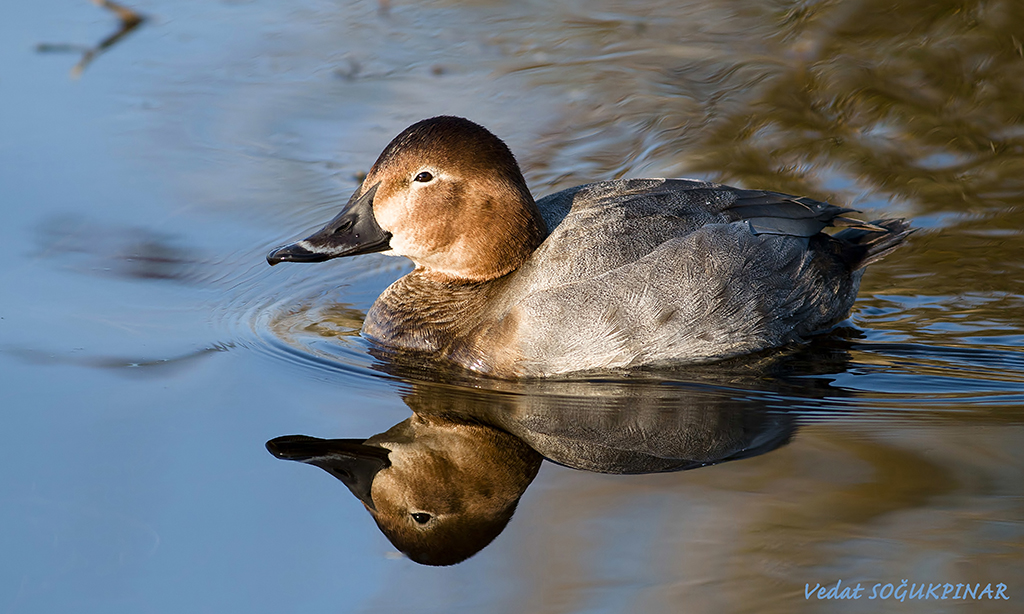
<point x="129" y="21"/>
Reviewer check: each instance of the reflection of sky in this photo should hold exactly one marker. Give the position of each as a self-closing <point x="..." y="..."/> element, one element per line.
<point x="141" y="488"/>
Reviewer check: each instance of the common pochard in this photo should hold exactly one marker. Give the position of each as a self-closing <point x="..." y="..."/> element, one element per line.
<point x="604" y="276"/>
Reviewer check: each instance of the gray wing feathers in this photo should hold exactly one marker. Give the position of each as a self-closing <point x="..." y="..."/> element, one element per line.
<point x="714" y="293"/>
<point x="674" y="270"/>
<point x="773" y="213"/>
<point x="696" y="202"/>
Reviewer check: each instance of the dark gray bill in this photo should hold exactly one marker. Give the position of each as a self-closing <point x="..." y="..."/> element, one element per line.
<point x="354" y="231"/>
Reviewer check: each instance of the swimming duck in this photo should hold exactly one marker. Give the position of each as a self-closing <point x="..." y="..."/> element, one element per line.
<point x="605" y="276"/>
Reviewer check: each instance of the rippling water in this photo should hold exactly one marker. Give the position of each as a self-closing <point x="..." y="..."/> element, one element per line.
<point x="147" y="352"/>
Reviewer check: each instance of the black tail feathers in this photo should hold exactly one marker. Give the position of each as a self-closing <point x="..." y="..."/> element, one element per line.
<point x="871" y="242"/>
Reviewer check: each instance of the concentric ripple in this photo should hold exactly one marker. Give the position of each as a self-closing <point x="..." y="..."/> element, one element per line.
<point x="308" y="318"/>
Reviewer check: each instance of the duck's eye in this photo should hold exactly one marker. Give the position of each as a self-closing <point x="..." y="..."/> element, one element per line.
<point x="421" y="517"/>
<point x="423" y="177"/>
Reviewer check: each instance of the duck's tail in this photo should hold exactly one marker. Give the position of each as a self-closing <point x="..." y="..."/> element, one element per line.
<point x="873" y="241"/>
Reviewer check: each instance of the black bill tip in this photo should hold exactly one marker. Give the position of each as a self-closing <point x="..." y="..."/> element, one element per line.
<point x="294" y="253"/>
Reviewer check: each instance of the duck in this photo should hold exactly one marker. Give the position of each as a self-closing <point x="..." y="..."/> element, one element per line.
<point x="608" y="276"/>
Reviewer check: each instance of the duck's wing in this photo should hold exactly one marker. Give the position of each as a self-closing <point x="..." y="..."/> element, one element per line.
<point x="781" y="214"/>
<point x="598" y="227"/>
<point x="611" y="201"/>
<point x="695" y="203"/>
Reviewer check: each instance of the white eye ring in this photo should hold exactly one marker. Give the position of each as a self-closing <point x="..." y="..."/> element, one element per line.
<point x="423" y="177"/>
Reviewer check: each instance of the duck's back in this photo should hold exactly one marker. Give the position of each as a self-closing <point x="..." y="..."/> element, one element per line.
<point x="647" y="272"/>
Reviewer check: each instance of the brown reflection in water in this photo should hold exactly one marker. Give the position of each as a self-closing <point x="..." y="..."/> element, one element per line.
<point x="129" y="21"/>
<point x="473" y="446"/>
<point x="745" y="537"/>
<point x="334" y="320"/>
<point x="444" y="483"/>
<point x="439" y="488"/>
<point x="919" y="99"/>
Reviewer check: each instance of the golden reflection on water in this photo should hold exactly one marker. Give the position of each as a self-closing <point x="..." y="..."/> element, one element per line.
<point x="918" y="100"/>
<point x="745" y="537"/>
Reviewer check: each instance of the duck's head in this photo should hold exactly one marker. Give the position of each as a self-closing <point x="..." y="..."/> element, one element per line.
<point x="447" y="194"/>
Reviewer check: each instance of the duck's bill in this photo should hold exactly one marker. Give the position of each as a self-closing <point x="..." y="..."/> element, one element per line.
<point x="349" y="460"/>
<point x="354" y="231"/>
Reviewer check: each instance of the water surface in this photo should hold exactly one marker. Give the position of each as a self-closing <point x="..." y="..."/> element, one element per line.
<point x="147" y="352"/>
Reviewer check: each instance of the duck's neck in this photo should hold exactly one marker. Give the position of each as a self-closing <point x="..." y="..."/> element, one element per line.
<point x="422" y="313"/>
<point x="489" y="240"/>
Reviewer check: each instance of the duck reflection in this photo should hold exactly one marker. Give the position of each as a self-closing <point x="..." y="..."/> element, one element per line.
<point x="440" y="488"/>
<point x="442" y="484"/>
